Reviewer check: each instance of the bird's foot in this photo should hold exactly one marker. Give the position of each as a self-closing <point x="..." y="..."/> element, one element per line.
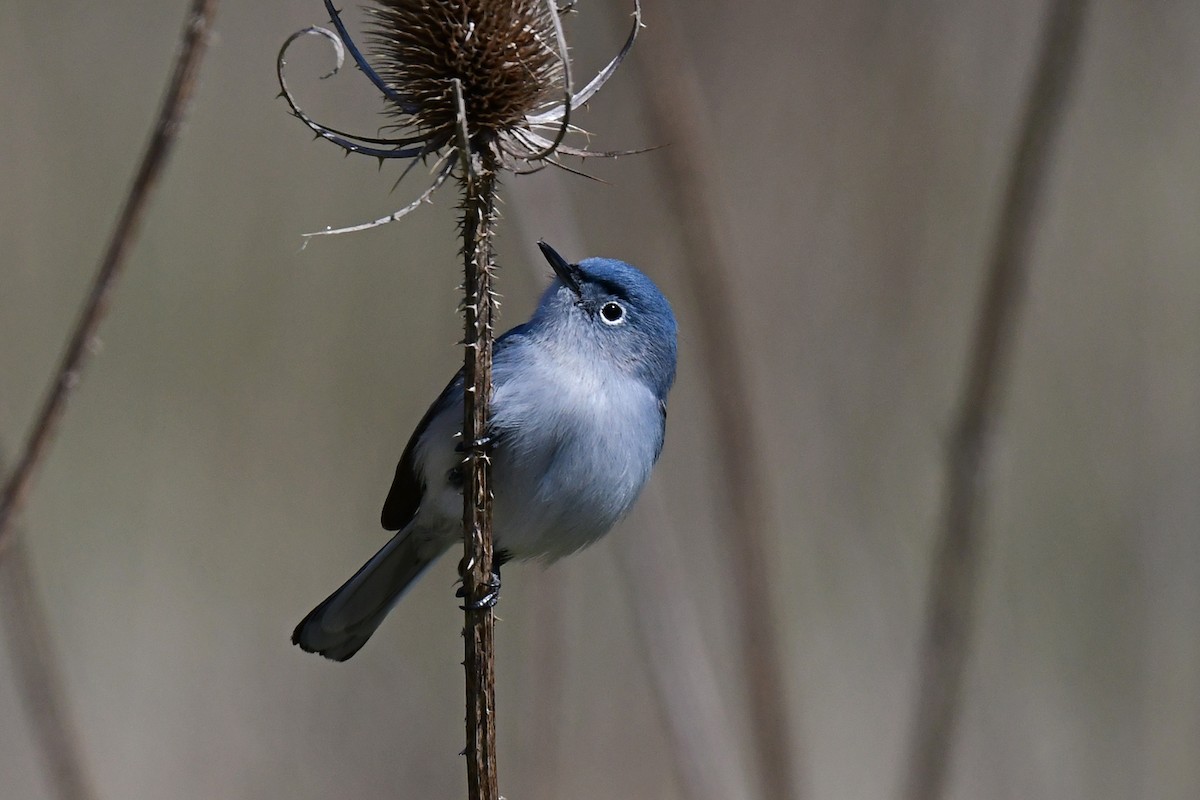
<point x="490" y="597"/>
<point x="480" y="445"/>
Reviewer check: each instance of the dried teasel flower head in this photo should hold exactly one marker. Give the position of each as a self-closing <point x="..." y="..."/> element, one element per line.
<point x="492" y="72"/>
<point x="504" y="53"/>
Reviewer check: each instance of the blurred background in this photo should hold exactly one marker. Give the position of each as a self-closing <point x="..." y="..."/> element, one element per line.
<point x="222" y="466"/>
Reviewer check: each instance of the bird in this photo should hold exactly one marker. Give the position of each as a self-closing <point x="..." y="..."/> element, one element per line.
<point x="578" y="420"/>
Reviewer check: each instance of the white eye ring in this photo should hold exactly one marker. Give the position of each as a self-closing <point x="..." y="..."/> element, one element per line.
<point x="612" y="313"/>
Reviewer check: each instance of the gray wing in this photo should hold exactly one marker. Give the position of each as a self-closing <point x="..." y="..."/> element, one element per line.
<point x="404" y="498"/>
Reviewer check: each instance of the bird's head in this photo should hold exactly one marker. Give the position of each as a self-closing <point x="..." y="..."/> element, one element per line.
<point x="611" y="308"/>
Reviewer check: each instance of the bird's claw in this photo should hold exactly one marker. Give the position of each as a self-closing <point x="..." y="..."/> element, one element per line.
<point x="489" y="598"/>
<point x="482" y="444"/>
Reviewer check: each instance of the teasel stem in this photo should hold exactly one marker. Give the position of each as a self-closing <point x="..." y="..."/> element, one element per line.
<point x="478" y="180"/>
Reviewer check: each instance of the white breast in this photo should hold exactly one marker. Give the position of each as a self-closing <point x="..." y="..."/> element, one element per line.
<point x="577" y="444"/>
<point x="576" y="456"/>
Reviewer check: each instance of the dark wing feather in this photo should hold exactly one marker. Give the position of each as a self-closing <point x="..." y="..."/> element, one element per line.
<point x="662" y="430"/>
<point x="404" y="498"/>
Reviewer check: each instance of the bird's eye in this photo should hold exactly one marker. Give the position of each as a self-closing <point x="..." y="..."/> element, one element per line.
<point x="612" y="313"/>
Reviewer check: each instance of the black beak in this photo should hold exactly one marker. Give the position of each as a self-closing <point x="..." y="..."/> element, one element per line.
<point x="567" y="273"/>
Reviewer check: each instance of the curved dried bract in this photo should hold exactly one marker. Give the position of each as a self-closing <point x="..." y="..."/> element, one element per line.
<point x="351" y="143"/>
<point x="565" y="113"/>
<point x="535" y="140"/>
<point x="448" y="162"/>
<point x="597" y="83"/>
<point x="336" y="18"/>
<point x="554" y="162"/>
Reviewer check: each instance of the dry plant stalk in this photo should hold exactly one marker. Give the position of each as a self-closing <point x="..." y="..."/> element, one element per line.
<point x="478" y="224"/>
<point x="950" y="612"/>
<point x="166" y="129"/>
<point x="24" y="623"/>
<point x="35" y="670"/>
<point x="478" y="86"/>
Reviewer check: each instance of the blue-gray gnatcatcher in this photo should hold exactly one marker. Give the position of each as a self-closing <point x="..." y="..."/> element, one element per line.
<point x="579" y="413"/>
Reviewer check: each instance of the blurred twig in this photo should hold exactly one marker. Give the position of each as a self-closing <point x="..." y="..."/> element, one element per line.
<point x="35" y="670"/>
<point x="545" y="200"/>
<point x="707" y="761"/>
<point x="544" y="672"/>
<point x="674" y="103"/>
<point x="166" y="129"/>
<point x="952" y="588"/>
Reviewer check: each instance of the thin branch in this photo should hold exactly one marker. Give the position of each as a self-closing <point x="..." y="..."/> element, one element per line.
<point x="35" y="671"/>
<point x="479" y="186"/>
<point x="953" y="577"/>
<point x="674" y="102"/>
<point x="166" y="129"/>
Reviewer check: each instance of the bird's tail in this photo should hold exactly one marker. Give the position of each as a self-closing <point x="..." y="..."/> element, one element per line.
<point x="341" y="625"/>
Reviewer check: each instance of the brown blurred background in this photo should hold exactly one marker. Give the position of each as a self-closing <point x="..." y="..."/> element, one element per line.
<point x="222" y="467"/>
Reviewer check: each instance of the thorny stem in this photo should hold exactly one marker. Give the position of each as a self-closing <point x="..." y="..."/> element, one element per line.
<point x="166" y="129"/>
<point x="479" y="186"/>
<point x="953" y="576"/>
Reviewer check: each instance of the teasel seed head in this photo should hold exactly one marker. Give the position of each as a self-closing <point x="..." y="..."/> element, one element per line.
<point x="507" y="58"/>
<point x="504" y="52"/>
